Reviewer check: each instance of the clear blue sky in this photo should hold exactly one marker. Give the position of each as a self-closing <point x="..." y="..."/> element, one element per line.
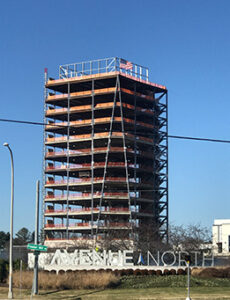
<point x="186" y="46"/>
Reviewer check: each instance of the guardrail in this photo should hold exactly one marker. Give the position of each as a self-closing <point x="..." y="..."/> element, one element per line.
<point x="105" y="65"/>
<point x="81" y="108"/>
<point x="79" y="180"/>
<point x="88" y="209"/>
<point x="80" y="195"/>
<point x="87" y="165"/>
<point x="56" y="125"/>
<point x="96" y="150"/>
<point x="96" y="135"/>
<point x="96" y="92"/>
<point x="88" y="224"/>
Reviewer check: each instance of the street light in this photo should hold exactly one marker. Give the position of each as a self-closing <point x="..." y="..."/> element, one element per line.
<point x="10" y="293"/>
<point x="188" y="262"/>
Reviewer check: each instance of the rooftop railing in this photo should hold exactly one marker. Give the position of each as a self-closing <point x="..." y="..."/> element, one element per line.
<point x="105" y="65"/>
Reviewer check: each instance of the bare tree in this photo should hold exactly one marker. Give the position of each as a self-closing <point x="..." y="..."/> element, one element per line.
<point x="189" y="238"/>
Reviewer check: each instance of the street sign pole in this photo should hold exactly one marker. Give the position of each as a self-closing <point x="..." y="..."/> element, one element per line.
<point x="36" y="253"/>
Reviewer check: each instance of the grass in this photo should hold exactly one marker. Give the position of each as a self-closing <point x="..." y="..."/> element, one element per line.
<point x="103" y="280"/>
<point x="80" y="280"/>
<point x="96" y="286"/>
<point x="198" y="293"/>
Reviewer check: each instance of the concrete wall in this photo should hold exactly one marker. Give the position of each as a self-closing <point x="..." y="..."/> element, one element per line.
<point x="221" y="234"/>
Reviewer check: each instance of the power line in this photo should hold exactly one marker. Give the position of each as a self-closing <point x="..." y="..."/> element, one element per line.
<point x="147" y="134"/>
<point x="198" y="139"/>
<point x="23" y="122"/>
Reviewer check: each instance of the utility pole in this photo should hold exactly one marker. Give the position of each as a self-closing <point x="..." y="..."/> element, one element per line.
<point x="36" y="253"/>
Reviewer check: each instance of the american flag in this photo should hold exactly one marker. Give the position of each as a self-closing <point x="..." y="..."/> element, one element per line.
<point x="124" y="64"/>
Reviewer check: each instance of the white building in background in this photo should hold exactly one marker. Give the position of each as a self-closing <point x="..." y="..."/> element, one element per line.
<point x="221" y="237"/>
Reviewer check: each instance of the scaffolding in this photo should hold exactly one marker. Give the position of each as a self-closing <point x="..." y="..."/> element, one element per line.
<point x="105" y="152"/>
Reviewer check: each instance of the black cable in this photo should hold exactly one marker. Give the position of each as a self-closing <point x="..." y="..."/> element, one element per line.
<point x="198" y="139"/>
<point x="22" y="122"/>
<point x="147" y="134"/>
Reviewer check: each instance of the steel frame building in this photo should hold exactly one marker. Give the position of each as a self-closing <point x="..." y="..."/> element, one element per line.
<point x="105" y="152"/>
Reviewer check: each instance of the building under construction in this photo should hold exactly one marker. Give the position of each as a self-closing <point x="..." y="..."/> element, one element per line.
<point x="105" y="153"/>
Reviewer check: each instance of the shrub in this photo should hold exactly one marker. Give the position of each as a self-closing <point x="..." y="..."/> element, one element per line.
<point x="173" y="272"/>
<point x="129" y="271"/>
<point x="166" y="272"/>
<point x="126" y="272"/>
<point x="17" y="264"/>
<point x="195" y="271"/>
<point x="227" y="272"/>
<point x="3" y="270"/>
<point x="144" y="272"/>
<point x="122" y="272"/>
<point x="108" y="270"/>
<point x="158" y="272"/>
<point x="181" y="272"/>
<point x="137" y="272"/>
<point x="211" y="272"/>
<point x="152" y="272"/>
<point x="80" y="272"/>
<point x="116" y="272"/>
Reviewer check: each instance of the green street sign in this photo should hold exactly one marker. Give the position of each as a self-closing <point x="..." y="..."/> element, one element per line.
<point x="37" y="247"/>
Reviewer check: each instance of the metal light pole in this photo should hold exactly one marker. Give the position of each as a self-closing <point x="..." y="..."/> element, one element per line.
<point x="10" y="293"/>
<point x="188" y="281"/>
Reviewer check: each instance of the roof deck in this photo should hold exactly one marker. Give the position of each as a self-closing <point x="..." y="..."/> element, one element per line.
<point x="106" y="69"/>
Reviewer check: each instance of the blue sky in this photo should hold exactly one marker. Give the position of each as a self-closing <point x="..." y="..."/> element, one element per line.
<point x="186" y="46"/>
